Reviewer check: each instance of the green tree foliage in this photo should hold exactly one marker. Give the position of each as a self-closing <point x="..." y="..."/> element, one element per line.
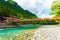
<point x="55" y="8"/>
<point x="10" y="7"/>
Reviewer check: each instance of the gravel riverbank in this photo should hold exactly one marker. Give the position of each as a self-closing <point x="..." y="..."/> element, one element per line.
<point x="48" y="33"/>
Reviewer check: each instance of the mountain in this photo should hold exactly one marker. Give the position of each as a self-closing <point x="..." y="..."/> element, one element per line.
<point x="8" y="8"/>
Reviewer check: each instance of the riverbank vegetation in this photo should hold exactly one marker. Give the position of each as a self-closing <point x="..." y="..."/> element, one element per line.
<point x="56" y="10"/>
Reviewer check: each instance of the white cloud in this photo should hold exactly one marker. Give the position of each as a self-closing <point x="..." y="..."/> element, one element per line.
<point x="35" y="6"/>
<point x="47" y="3"/>
<point x="45" y="16"/>
<point x="27" y="4"/>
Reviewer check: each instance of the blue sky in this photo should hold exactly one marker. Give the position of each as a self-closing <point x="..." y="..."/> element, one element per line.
<point x="39" y="7"/>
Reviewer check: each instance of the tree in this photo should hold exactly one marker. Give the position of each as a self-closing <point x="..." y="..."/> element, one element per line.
<point x="55" y="8"/>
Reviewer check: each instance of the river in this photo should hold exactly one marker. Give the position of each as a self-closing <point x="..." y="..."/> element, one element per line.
<point x="30" y="32"/>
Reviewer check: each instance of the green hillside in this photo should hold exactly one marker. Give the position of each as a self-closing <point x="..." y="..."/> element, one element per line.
<point x="8" y="8"/>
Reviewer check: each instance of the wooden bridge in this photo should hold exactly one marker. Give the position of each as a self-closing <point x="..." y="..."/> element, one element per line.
<point x="28" y="21"/>
<point x="14" y="19"/>
<point x="38" y="19"/>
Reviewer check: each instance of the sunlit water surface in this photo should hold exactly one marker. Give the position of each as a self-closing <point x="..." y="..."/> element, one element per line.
<point x="25" y="32"/>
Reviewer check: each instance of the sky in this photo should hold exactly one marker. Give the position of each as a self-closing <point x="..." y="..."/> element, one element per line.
<point x="39" y="7"/>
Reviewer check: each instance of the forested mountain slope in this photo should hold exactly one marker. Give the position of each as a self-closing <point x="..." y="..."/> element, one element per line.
<point x="8" y="8"/>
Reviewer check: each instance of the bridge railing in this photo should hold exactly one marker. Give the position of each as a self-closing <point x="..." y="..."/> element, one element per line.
<point x="33" y="21"/>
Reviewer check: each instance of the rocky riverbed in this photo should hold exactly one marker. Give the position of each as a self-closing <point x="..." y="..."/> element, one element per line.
<point x="50" y="33"/>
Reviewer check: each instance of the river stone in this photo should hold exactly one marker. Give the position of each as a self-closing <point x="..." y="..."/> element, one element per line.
<point x="49" y="33"/>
